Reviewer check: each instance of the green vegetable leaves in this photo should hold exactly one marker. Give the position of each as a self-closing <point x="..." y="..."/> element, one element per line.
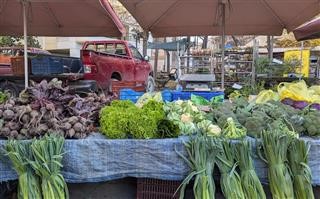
<point x="124" y="119"/>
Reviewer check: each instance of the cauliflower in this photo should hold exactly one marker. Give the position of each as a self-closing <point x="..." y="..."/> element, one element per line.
<point x="186" y="118"/>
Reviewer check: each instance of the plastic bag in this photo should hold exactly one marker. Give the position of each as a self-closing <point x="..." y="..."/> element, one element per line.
<point x="265" y="96"/>
<point x="198" y="100"/>
<point x="296" y="91"/>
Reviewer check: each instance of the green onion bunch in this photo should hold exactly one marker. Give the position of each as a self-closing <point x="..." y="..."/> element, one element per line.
<point x="47" y="153"/>
<point x="301" y="173"/>
<point x="251" y="185"/>
<point x="274" y="146"/>
<point x="201" y="158"/>
<point x="230" y="180"/>
<point x="19" y="153"/>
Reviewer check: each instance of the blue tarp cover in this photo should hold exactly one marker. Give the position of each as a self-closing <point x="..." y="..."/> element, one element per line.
<point x="97" y="159"/>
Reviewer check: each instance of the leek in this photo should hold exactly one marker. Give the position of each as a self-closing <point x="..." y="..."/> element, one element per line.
<point x="251" y="185"/>
<point x="275" y="146"/>
<point x="200" y="159"/>
<point x="230" y="180"/>
<point x="28" y="183"/>
<point x="301" y="173"/>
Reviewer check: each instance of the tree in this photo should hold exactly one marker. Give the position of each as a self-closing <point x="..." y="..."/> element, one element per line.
<point x="7" y="41"/>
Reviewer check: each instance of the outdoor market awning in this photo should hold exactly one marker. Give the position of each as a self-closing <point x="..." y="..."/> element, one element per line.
<point x="203" y="17"/>
<point x="310" y="30"/>
<point x="60" y="18"/>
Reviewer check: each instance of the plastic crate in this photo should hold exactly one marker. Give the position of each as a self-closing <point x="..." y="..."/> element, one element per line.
<point x="186" y="95"/>
<point x="17" y="65"/>
<point x="46" y="65"/>
<point x="166" y="96"/>
<point x="157" y="189"/>
<point x="129" y="94"/>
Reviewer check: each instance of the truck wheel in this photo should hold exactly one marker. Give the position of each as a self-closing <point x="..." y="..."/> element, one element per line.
<point x="151" y="85"/>
<point x="11" y="88"/>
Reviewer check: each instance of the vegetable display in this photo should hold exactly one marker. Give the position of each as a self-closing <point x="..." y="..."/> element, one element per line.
<point x="189" y="118"/>
<point x="274" y="147"/>
<point x="301" y="173"/>
<point x="123" y="119"/>
<point x="48" y="106"/>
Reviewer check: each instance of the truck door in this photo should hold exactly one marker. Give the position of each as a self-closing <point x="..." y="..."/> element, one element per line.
<point x="142" y="67"/>
<point x="125" y="64"/>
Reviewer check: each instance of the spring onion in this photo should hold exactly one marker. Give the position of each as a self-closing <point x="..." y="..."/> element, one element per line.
<point x="275" y="146"/>
<point x="250" y="182"/>
<point x="301" y="173"/>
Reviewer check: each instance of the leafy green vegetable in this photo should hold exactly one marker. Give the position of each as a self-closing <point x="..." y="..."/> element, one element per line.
<point x="3" y="97"/>
<point x="312" y="123"/>
<point x="123" y="119"/>
<point x="233" y="130"/>
<point x="168" y="129"/>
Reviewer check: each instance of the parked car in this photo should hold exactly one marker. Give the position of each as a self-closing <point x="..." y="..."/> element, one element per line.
<point x="115" y="60"/>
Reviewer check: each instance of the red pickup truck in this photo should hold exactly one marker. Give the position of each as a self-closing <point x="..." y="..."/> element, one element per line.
<point x="115" y="60"/>
<point x="103" y="63"/>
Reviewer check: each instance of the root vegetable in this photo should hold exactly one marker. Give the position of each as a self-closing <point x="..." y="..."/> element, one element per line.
<point x="8" y="106"/>
<point x="66" y="126"/>
<point x="13" y="126"/>
<point x="14" y="134"/>
<point x="11" y="101"/>
<point x="42" y="128"/>
<point x="78" y="127"/>
<point x="24" y="132"/>
<point x="83" y="120"/>
<point x="5" y="131"/>
<point x="71" y="133"/>
<point x="25" y="119"/>
<point x="21" y="137"/>
<point x="77" y="135"/>
<point x="8" y="115"/>
<point x="72" y="120"/>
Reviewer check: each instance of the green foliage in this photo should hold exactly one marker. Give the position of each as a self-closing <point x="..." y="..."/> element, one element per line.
<point x="168" y="129"/>
<point x="312" y="123"/>
<point x="8" y="41"/>
<point x="122" y="119"/>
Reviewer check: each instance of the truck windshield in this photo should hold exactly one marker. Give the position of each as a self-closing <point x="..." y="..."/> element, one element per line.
<point x="135" y="53"/>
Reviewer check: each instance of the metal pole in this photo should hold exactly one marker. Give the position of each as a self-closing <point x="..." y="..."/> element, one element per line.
<point x="24" y="5"/>
<point x="223" y="41"/>
<point x="301" y="59"/>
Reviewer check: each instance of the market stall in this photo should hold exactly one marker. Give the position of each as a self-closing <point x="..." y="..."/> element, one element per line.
<point x="179" y="140"/>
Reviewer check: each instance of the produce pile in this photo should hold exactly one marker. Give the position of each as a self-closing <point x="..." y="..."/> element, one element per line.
<point x="49" y="107"/>
<point x="255" y="118"/>
<point x="286" y="157"/>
